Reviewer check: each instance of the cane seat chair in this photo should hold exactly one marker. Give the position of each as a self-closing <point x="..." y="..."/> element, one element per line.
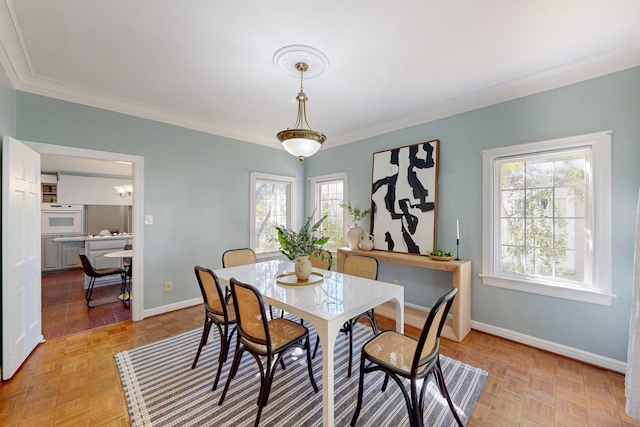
<point x="269" y="339"/>
<point x="95" y="273"/>
<point x="242" y="256"/>
<point x="398" y="355"/>
<point x="218" y="311"/>
<point x="236" y="257"/>
<point x="322" y="259"/>
<point x="366" y="267"/>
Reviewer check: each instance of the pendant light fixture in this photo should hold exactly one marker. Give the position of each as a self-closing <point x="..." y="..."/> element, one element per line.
<point x="301" y="141"/>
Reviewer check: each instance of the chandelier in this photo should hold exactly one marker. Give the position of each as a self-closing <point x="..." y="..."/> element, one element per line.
<point x="301" y="141"/>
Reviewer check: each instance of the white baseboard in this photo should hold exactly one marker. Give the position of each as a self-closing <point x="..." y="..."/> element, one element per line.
<point x="563" y="350"/>
<point x="172" y="307"/>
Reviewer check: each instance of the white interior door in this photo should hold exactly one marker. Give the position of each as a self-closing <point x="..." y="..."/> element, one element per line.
<point x="21" y="292"/>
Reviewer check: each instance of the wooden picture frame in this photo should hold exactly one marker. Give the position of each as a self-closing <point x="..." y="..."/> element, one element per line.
<point x="404" y="198"/>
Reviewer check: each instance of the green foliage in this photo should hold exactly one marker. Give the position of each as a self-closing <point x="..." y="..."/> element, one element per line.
<point x="441" y="253"/>
<point x="305" y="242"/>
<point x="355" y="213"/>
<point x="541" y="210"/>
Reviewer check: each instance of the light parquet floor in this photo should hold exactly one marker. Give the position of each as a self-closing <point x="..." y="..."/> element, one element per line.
<point x="73" y="380"/>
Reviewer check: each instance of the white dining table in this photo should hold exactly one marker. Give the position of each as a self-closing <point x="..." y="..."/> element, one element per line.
<point x="326" y="305"/>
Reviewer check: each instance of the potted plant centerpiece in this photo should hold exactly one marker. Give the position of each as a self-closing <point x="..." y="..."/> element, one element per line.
<point x="355" y="231"/>
<point x="298" y="246"/>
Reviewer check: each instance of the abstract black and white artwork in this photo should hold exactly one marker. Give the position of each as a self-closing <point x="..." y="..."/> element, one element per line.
<point x="404" y="198"/>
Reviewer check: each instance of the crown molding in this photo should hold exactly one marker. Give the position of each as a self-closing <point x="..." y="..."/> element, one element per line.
<point x="15" y="60"/>
<point x="598" y="65"/>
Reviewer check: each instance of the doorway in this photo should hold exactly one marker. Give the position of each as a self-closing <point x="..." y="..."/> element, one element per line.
<point x="137" y="305"/>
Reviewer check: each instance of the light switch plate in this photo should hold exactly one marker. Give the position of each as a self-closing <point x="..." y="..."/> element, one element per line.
<point x="148" y="220"/>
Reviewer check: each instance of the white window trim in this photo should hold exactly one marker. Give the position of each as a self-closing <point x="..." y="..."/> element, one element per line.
<point x="600" y="180"/>
<point x="291" y="208"/>
<point x="345" y="197"/>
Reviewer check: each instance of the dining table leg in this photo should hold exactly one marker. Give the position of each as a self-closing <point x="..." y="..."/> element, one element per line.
<point x="399" y="314"/>
<point x="327" y="334"/>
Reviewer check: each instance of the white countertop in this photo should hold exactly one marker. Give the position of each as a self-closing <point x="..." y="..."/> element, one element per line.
<point x="91" y="238"/>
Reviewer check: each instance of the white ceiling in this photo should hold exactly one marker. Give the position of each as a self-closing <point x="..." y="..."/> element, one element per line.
<point x="208" y="65"/>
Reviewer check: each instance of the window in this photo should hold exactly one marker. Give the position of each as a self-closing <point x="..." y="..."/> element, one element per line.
<point x="546" y="224"/>
<point x="327" y="192"/>
<point x="272" y="203"/>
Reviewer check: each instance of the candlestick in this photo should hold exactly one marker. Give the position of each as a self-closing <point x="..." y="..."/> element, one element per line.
<point x="457" y="249"/>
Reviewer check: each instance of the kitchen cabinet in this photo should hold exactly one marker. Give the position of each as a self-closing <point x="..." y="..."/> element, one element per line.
<point x="50" y="253"/>
<point x="91" y="190"/>
<point x="70" y="256"/>
<point x="49" y="193"/>
<point x="56" y="256"/>
<point x="49" y="188"/>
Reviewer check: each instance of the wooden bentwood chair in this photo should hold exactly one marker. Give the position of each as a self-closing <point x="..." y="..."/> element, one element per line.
<point x="398" y="355"/>
<point x="94" y="273"/>
<point x="218" y="311"/>
<point x="236" y="257"/>
<point x="263" y="338"/>
<point x="366" y="267"/>
<point x="242" y="256"/>
<point x="322" y="259"/>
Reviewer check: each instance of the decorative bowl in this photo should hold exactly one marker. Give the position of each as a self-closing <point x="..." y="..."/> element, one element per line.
<point x="441" y="258"/>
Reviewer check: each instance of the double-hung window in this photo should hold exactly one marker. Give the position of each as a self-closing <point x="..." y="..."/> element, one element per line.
<point x="327" y="192"/>
<point x="546" y="218"/>
<point x="272" y="203"/>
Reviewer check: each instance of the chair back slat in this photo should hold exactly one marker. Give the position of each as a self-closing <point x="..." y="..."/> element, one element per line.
<point x="429" y="341"/>
<point x="321" y="259"/>
<point x="361" y="266"/>
<point x="250" y="312"/>
<point x="211" y="290"/>
<point x="236" y="257"/>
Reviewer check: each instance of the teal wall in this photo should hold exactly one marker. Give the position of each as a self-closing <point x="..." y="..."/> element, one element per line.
<point x="7" y="106"/>
<point x="196" y="185"/>
<point x="609" y="102"/>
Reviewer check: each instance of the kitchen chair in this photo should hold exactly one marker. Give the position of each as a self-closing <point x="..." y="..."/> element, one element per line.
<point x="216" y="312"/>
<point x="126" y="261"/>
<point x="127" y="264"/>
<point x="398" y="355"/>
<point x="322" y="260"/>
<point x="263" y="338"/>
<point x="94" y="273"/>
<point x="366" y="267"/>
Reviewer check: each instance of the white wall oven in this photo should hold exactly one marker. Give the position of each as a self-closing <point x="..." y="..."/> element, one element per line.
<point x="62" y="219"/>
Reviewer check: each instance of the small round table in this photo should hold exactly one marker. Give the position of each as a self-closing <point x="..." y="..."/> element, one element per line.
<point x="127" y="253"/>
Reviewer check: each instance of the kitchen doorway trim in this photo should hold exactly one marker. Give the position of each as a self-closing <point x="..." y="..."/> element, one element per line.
<point x="137" y="303"/>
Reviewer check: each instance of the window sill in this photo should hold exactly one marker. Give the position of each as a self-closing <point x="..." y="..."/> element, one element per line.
<point x="573" y="294"/>
<point x="268" y="255"/>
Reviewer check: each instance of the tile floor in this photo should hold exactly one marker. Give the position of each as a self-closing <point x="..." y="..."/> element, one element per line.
<point x="64" y="307"/>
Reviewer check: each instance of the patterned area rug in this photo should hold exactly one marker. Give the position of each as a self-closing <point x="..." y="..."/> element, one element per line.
<point x="161" y="389"/>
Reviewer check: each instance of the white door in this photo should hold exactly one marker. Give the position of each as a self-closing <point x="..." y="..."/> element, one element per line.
<point x="21" y="293"/>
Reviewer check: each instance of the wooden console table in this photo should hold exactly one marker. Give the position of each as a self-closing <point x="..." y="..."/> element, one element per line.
<point x="456" y="327"/>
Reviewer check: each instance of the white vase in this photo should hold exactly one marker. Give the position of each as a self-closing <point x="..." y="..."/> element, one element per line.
<point x="303" y="267"/>
<point x="366" y="242"/>
<point x="353" y="236"/>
